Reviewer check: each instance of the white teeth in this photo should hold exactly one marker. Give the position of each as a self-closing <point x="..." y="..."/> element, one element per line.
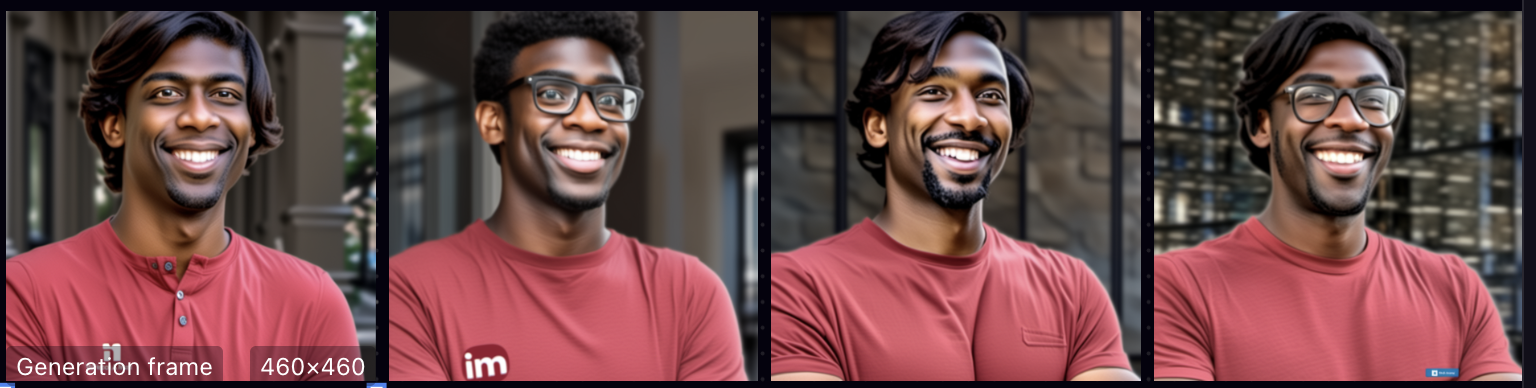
<point x="1340" y="157"/>
<point x="196" y="156"/>
<point x="961" y="154"/>
<point x="583" y="155"/>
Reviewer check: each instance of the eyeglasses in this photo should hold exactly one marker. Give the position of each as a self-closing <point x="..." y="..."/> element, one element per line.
<point x="1379" y="105"/>
<point x="559" y="96"/>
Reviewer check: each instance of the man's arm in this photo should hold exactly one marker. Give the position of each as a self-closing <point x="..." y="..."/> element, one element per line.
<point x="412" y="353"/>
<point x="1500" y="377"/>
<point x="712" y="346"/>
<point x="23" y="333"/>
<point x="331" y="332"/>
<point x="1106" y="374"/>
<point x="805" y="376"/>
<point x="1179" y="344"/>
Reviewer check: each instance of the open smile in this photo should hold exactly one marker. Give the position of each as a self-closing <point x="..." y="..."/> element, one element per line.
<point x="962" y="157"/>
<point x="581" y="158"/>
<point x="1342" y="161"/>
<point x="198" y="161"/>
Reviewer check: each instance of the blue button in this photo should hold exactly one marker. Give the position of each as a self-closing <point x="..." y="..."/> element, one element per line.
<point x="179" y="295"/>
<point x="1442" y="372"/>
<point x="183" y="320"/>
<point x="169" y="266"/>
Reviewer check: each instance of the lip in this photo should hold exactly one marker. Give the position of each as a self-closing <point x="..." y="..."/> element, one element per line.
<point x="197" y="170"/>
<point x="1343" y="171"/>
<point x="957" y="165"/>
<point x="581" y="167"/>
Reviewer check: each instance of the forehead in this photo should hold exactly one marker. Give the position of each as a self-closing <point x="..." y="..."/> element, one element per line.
<point x="1343" y="59"/>
<point x="197" y="56"/>
<point x="970" y="49"/>
<point x="584" y="57"/>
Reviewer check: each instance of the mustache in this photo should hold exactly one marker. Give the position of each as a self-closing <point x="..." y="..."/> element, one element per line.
<point x="992" y="144"/>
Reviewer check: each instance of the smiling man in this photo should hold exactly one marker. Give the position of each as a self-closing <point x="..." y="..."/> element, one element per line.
<point x="926" y="290"/>
<point x="179" y="105"/>
<point x="542" y="290"/>
<point x="1305" y="291"/>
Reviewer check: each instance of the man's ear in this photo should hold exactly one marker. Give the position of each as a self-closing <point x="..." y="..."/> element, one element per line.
<point x="489" y="117"/>
<point x="1261" y="133"/>
<point x="874" y="128"/>
<point x="112" y="130"/>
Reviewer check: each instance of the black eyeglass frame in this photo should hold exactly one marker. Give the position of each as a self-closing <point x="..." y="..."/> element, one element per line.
<point x="580" y="90"/>
<point x="1352" y="93"/>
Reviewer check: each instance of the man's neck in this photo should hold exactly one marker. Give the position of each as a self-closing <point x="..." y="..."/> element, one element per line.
<point x="1336" y="237"/>
<point x="531" y="223"/>
<point x="919" y="223"/>
<point x="150" y="230"/>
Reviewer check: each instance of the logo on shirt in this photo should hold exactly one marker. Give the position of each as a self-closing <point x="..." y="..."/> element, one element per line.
<point x="482" y="363"/>
<point x="111" y="352"/>
<point x="1442" y="372"/>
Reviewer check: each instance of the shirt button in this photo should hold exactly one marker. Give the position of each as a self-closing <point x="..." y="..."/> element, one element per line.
<point x="169" y="266"/>
<point x="183" y="320"/>
<point x="179" y="295"/>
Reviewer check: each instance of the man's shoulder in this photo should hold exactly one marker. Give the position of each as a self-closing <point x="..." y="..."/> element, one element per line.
<point x="1404" y="255"/>
<point x="71" y="258"/>
<point x="848" y="243"/>
<point x="280" y="266"/>
<point x="432" y="254"/>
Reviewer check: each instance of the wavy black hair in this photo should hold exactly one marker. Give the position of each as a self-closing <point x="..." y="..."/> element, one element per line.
<point x="505" y="38"/>
<point x="132" y="45"/>
<point x="921" y="35"/>
<point x="1282" y="48"/>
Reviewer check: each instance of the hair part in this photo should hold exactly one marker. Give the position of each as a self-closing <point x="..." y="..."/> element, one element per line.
<point x="1280" y="50"/>
<point x="135" y="42"/>
<point x="922" y="35"/>
<point x="507" y="37"/>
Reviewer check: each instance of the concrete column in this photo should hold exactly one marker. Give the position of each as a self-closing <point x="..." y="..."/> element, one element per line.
<point x="313" y="214"/>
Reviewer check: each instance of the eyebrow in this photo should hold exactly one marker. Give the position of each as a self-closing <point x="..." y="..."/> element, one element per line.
<point x="986" y="76"/>
<point x="1315" y="77"/>
<point x="601" y="78"/>
<point x="178" y="77"/>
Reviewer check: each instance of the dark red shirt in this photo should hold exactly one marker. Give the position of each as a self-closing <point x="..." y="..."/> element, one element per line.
<point x="1247" y="306"/>
<point x="472" y="307"/>
<point x="90" y="290"/>
<point x="861" y="306"/>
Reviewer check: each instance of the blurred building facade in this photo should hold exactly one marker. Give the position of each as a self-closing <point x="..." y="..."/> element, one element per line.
<point x="1452" y="186"/>
<point x="689" y="175"/>
<point x="1057" y="195"/>
<point x="291" y="198"/>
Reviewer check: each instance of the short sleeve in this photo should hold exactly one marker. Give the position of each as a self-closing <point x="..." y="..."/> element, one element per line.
<point x="711" y="337"/>
<point x="24" y="337"/>
<point x="412" y="351"/>
<point x="1487" y="347"/>
<point x="1180" y="347"/>
<point x="1097" y="341"/>
<point x="801" y="332"/>
<point x="331" y="329"/>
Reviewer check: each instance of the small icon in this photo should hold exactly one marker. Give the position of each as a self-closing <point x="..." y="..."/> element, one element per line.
<point x="7" y="385"/>
<point x="111" y="352"/>
<point x="376" y="385"/>
<point x="1442" y="372"/>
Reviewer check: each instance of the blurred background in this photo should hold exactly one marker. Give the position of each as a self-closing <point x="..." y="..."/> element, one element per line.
<point x="312" y="197"/>
<point x="1452" y="186"/>
<point x="690" y="174"/>
<point x="1056" y="192"/>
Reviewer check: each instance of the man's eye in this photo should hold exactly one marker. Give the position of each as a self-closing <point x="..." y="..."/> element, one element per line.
<point x="930" y="91"/>
<point x="225" y="94"/>
<point x="167" y="93"/>
<point x="551" y="94"/>
<point x="991" y="94"/>
<point x="607" y="100"/>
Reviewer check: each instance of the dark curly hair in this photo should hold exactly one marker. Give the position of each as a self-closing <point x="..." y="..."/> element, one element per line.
<point x="133" y="44"/>
<point x="505" y="38"/>
<point x="921" y="35"/>
<point x="1282" y="48"/>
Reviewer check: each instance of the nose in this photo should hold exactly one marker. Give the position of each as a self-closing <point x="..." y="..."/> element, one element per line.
<point x="197" y="116"/>
<point x="1345" y="117"/>
<point x="963" y="113"/>
<point x="585" y="116"/>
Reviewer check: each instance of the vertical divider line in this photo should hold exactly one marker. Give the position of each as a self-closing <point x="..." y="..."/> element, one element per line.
<point x="840" y="181"/>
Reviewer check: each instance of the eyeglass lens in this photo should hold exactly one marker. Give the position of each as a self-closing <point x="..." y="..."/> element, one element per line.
<point x="1377" y="105"/>
<point x="559" y="97"/>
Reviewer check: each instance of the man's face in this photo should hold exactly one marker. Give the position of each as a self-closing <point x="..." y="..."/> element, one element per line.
<point x="186" y="126"/>
<point x="574" y="157"/>
<point x="1336" y="162"/>
<point x="952" y="129"/>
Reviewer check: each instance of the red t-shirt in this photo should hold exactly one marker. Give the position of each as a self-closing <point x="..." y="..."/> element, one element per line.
<point x="472" y="307"/>
<point x="861" y="306"/>
<point x="89" y="290"/>
<point x="1246" y="306"/>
